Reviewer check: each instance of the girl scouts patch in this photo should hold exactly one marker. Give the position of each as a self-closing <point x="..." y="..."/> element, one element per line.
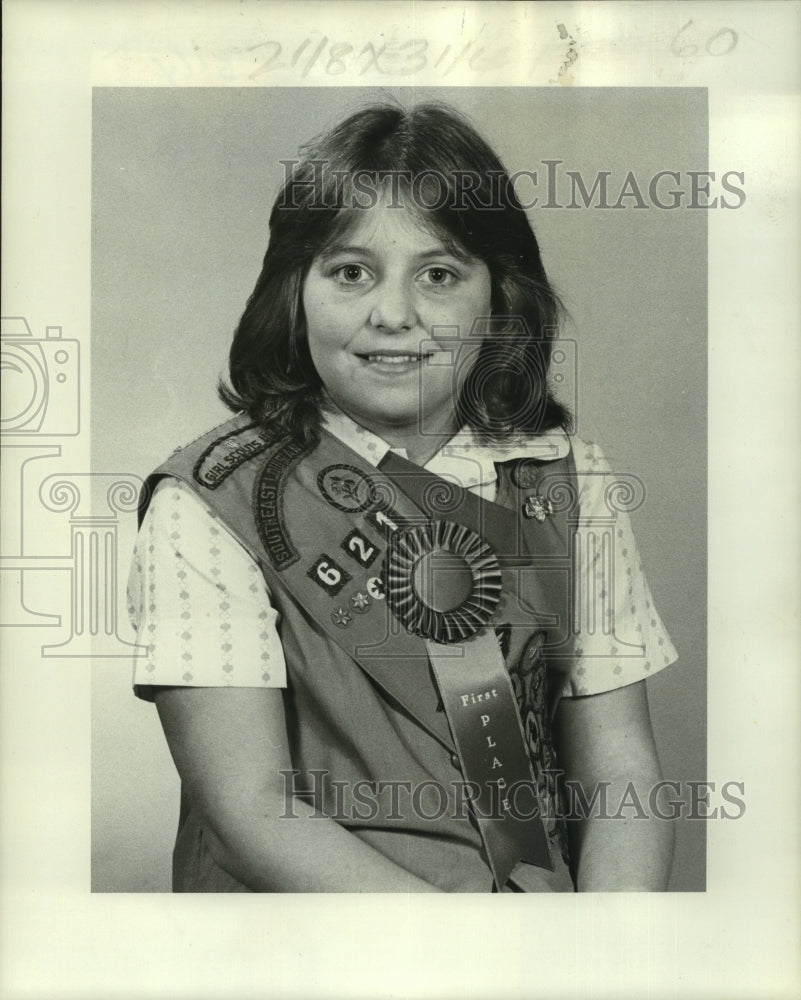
<point x="225" y="454"/>
<point x="346" y="488"/>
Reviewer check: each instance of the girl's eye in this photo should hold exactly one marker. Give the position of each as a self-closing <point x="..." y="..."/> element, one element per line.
<point x="440" y="276"/>
<point x="350" y="274"/>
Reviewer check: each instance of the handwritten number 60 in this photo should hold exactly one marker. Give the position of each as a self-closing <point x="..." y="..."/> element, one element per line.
<point x="713" y="47"/>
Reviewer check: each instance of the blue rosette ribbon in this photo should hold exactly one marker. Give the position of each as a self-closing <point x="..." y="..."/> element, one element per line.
<point x="443" y="581"/>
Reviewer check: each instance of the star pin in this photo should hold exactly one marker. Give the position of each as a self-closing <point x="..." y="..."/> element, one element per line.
<point x="361" y="602"/>
<point x="537" y="507"/>
<point x="341" y="617"/>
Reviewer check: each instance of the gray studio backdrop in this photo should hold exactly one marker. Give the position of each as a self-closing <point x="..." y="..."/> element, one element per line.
<point x="183" y="181"/>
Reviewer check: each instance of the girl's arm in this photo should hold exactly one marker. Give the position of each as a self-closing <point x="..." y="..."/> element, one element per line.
<point x="607" y="738"/>
<point x="229" y="745"/>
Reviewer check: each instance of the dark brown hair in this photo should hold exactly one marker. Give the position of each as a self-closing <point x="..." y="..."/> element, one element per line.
<point x="460" y="190"/>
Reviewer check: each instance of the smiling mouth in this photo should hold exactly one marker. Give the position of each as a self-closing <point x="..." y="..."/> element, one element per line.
<point x="395" y="359"/>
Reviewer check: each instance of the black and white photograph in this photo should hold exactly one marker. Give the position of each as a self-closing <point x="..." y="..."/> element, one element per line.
<point x="514" y="340"/>
<point x="391" y="400"/>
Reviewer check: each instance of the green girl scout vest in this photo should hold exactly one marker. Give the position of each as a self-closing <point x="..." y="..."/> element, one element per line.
<point x="425" y="633"/>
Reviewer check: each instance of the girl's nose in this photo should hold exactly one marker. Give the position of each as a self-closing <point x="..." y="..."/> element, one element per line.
<point x="393" y="309"/>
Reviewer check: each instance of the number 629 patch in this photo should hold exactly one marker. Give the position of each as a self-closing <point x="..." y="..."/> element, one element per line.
<point x="329" y="575"/>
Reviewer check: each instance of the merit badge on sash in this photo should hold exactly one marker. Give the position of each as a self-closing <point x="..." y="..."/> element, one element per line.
<point x="346" y="488"/>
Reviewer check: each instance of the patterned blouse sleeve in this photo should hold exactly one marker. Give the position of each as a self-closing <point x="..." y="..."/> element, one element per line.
<point x="621" y="638"/>
<point x="198" y="602"/>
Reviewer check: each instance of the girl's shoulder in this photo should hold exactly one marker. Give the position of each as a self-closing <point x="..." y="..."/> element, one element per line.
<point x="225" y="439"/>
<point x="588" y="456"/>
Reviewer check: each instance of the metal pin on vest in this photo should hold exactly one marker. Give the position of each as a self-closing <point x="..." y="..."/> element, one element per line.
<point x="538" y="507"/>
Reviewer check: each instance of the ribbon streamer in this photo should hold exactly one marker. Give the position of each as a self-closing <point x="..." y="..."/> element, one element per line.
<point x="482" y="712"/>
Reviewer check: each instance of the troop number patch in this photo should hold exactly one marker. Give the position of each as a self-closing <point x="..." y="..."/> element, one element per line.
<point x="360" y="548"/>
<point x="328" y="575"/>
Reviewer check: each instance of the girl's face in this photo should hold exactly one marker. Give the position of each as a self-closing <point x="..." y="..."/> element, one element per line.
<point x="385" y="308"/>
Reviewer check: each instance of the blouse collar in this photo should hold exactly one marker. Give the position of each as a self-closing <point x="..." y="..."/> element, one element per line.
<point x="465" y="458"/>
